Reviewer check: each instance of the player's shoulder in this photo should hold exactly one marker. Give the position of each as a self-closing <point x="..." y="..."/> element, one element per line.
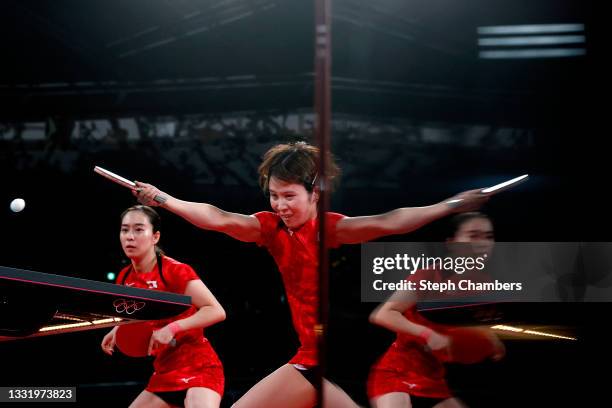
<point x="123" y="272"/>
<point x="171" y="262"/>
<point x="268" y="221"/>
<point x="334" y="216"/>
<point x="125" y="268"/>
<point x="266" y="216"/>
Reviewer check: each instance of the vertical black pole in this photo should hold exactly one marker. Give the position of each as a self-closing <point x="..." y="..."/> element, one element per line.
<point x="322" y="107"/>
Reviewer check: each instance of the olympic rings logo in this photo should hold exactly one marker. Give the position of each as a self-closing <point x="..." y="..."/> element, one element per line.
<point x="127" y="306"/>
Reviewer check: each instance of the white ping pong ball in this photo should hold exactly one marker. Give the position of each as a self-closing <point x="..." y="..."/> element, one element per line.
<point x="17" y="205"/>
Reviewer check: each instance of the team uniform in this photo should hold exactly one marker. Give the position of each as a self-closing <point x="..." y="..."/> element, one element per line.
<point x="407" y="367"/>
<point x="296" y="255"/>
<point x="192" y="362"/>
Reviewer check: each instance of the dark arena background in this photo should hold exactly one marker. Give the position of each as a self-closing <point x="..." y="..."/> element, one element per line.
<point x="428" y="100"/>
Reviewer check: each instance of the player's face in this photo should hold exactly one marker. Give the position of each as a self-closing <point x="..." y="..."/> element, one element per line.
<point x="137" y="237"/>
<point x="292" y="202"/>
<point x="478" y="232"/>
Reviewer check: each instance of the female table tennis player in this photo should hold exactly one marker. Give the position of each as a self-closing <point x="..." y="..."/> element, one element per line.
<point x="410" y="374"/>
<point x="288" y="174"/>
<point x="189" y="373"/>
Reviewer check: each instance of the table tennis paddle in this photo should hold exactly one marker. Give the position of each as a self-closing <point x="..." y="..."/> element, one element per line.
<point x="493" y="189"/>
<point x="122" y="181"/>
<point x="133" y="339"/>
<point x="505" y="185"/>
<point x="470" y="345"/>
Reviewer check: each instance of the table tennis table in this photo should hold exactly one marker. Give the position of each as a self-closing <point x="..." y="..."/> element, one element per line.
<point x="37" y="304"/>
